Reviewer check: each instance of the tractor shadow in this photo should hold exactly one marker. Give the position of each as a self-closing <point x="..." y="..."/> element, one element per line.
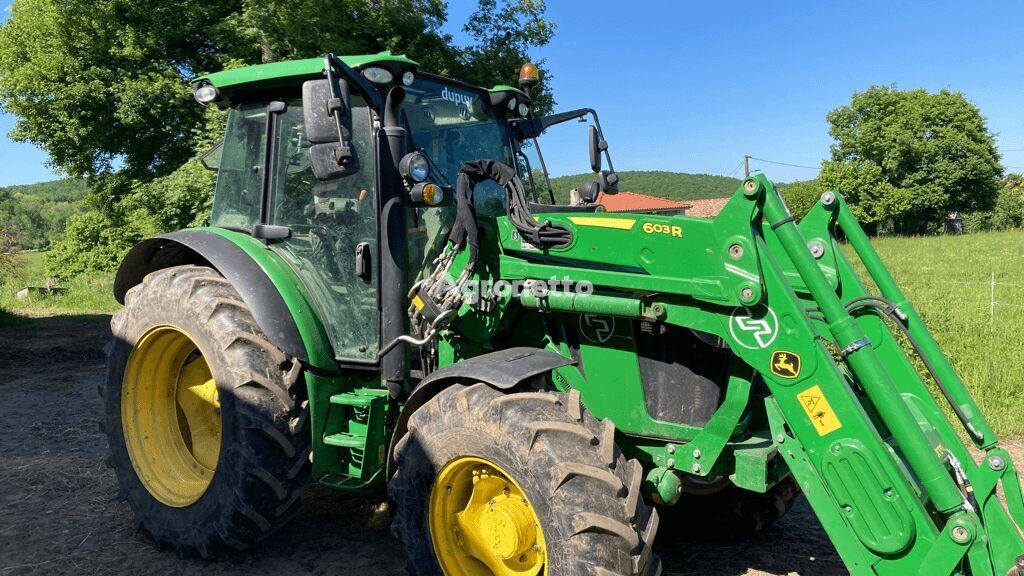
<point x="795" y="545"/>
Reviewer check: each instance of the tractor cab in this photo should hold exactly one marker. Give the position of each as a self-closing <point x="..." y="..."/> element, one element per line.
<point x="308" y="164"/>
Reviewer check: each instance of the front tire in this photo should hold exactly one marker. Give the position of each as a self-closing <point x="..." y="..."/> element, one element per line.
<point x="206" y="419"/>
<point x="542" y="484"/>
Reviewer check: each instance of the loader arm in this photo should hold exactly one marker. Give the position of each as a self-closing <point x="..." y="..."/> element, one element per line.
<point x="883" y="467"/>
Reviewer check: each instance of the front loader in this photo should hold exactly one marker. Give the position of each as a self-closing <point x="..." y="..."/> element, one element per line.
<point x="382" y="299"/>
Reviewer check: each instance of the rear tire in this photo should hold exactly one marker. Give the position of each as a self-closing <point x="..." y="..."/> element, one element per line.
<point x="584" y="494"/>
<point x="262" y="465"/>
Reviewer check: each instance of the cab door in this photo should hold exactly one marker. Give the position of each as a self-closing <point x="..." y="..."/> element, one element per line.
<point x="333" y="223"/>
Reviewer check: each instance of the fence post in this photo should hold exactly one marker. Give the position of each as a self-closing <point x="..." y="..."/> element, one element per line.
<point x="992" y="303"/>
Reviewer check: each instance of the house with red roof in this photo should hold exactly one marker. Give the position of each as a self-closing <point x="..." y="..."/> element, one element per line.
<point x="634" y="202"/>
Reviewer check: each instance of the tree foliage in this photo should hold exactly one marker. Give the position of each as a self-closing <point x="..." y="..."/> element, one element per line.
<point x="101" y="85"/>
<point x="905" y="158"/>
<point x="96" y="242"/>
<point x="1008" y="212"/>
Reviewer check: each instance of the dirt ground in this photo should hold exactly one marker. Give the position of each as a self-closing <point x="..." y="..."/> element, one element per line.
<point x="59" y="515"/>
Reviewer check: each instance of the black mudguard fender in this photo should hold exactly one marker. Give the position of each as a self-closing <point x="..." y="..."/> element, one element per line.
<point x="204" y="248"/>
<point x="503" y="370"/>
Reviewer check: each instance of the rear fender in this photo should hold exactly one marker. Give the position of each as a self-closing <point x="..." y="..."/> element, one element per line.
<point x="274" y="295"/>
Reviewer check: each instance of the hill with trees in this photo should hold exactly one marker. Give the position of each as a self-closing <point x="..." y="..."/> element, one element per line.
<point x="33" y="216"/>
<point x="660" y="184"/>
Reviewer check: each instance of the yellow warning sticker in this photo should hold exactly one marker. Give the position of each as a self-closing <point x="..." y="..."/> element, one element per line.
<point x="819" y="410"/>
<point x="417" y="302"/>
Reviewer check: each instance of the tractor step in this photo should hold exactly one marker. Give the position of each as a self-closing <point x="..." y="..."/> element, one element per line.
<point x="353" y="399"/>
<point x="345" y="440"/>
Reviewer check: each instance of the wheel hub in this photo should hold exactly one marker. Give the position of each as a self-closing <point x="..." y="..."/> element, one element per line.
<point x="507" y="527"/>
<point x="481" y="522"/>
<point x="170" y="415"/>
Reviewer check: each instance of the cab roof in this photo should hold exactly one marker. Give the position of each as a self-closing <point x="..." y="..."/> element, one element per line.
<point x="284" y="71"/>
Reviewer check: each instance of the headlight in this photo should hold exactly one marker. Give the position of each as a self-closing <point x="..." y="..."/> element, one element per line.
<point x="414" y="166"/>
<point x="408" y="78"/>
<point x="524" y="109"/>
<point x="205" y="93"/>
<point x="378" y="75"/>
<point x="427" y="193"/>
<point x="512" y="104"/>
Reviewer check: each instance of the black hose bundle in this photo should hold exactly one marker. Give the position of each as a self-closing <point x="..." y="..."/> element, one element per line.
<point x="540" y="234"/>
<point x="434" y="299"/>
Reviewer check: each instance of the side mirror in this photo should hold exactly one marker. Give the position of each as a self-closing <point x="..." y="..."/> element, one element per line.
<point x="327" y="120"/>
<point x="597" y="146"/>
<point x="609" y="181"/>
<point x="588" y="192"/>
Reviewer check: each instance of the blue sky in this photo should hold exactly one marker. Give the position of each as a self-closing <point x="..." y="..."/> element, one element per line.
<point x="691" y="87"/>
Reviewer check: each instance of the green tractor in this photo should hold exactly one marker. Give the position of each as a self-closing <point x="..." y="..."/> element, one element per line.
<point x="383" y="299"/>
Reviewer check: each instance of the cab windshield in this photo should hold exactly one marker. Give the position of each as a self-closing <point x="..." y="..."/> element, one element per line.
<point x="455" y="124"/>
<point x="452" y="124"/>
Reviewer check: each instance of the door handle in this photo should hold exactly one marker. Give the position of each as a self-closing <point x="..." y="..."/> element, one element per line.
<point x="363" y="268"/>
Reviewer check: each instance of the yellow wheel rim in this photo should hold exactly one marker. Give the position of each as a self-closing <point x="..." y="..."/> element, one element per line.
<point x="482" y="523"/>
<point x="170" y="415"/>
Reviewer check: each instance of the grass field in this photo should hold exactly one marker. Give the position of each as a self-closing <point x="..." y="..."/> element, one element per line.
<point x="83" y="295"/>
<point x="970" y="291"/>
<point x="948" y="278"/>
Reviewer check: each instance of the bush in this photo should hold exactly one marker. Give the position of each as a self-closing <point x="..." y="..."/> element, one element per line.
<point x="977" y="222"/>
<point x="179" y="200"/>
<point x="1009" y="210"/>
<point x="801" y="196"/>
<point x="96" y="242"/>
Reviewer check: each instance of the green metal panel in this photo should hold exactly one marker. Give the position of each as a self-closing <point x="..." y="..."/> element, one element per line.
<point x="868" y="499"/>
<point x="506" y="88"/>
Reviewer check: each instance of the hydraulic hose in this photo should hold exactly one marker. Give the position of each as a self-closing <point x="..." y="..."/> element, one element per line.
<point x="890" y="309"/>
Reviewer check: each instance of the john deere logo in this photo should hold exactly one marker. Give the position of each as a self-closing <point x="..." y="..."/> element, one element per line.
<point x="785" y="364"/>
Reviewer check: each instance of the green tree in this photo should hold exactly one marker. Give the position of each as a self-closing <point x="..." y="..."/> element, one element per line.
<point x="102" y="86"/>
<point x="906" y="158"/>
